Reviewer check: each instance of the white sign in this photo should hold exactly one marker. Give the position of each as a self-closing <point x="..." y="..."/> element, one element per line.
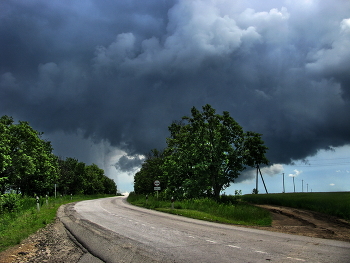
<point x="156" y="183"/>
<point x="157" y="188"/>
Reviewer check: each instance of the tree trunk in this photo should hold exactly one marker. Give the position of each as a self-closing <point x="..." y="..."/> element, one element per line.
<point x="217" y="190"/>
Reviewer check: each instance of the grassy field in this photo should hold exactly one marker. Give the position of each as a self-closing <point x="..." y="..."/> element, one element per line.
<point x="26" y="219"/>
<point x="207" y="209"/>
<point x="334" y="203"/>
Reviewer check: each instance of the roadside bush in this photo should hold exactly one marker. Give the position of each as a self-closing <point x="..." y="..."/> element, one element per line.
<point x="10" y="202"/>
<point x="231" y="199"/>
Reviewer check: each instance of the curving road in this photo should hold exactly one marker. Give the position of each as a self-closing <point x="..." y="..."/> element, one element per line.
<point x="116" y="231"/>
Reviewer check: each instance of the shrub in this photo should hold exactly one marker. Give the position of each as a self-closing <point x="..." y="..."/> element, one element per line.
<point x="10" y="202"/>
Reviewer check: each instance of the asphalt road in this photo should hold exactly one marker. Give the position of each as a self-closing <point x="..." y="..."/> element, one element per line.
<point x="115" y="231"/>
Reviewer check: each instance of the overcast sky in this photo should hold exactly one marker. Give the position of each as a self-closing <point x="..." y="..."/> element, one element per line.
<point x="104" y="79"/>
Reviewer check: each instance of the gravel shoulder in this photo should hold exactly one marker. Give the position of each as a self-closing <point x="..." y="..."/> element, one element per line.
<point x="50" y="244"/>
<point x="54" y="243"/>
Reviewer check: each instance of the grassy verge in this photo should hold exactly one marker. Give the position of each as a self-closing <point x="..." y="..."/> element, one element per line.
<point x="335" y="203"/>
<point x="208" y="210"/>
<point x="18" y="225"/>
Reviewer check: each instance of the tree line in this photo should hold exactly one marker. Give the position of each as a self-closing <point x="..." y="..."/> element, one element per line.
<point x="205" y="153"/>
<point x="28" y="166"/>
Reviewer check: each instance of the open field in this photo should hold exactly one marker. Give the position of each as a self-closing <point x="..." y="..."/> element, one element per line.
<point x="331" y="203"/>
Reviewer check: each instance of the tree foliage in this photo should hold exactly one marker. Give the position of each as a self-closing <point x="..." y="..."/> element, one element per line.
<point x="151" y="170"/>
<point x="78" y="178"/>
<point x="27" y="161"/>
<point x="28" y="165"/>
<point x="72" y="176"/>
<point x="206" y="152"/>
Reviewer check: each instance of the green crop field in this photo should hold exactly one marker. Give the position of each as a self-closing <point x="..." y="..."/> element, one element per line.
<point x="332" y="203"/>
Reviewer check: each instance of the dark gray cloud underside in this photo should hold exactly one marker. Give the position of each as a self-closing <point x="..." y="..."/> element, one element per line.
<point x="123" y="71"/>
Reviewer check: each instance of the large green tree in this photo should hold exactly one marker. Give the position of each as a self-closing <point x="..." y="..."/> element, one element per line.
<point x="207" y="151"/>
<point x="26" y="160"/>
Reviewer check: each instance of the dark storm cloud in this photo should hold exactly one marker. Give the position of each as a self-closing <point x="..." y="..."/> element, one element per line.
<point x="127" y="164"/>
<point x="124" y="70"/>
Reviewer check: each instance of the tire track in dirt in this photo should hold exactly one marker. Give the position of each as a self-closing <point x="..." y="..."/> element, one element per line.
<point x="307" y="223"/>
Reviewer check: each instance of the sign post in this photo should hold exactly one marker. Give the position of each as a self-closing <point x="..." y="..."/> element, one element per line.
<point x="172" y="202"/>
<point x="37" y="203"/>
<point x="156" y="186"/>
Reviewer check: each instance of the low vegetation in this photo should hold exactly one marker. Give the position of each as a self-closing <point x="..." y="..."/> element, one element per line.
<point x="228" y="210"/>
<point x="335" y="203"/>
<point x="19" y="216"/>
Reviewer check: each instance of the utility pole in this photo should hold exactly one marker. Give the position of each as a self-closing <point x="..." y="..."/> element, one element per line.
<point x="307" y="188"/>
<point x="284" y="190"/>
<point x="257" y="178"/>
<point x="262" y="179"/>
<point x="294" y="184"/>
<point x="302" y="186"/>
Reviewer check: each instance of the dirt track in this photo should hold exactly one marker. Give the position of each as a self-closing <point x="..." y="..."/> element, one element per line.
<point x="307" y="223"/>
<point x="53" y="244"/>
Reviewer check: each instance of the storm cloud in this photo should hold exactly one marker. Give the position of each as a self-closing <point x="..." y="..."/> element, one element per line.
<point x="122" y="71"/>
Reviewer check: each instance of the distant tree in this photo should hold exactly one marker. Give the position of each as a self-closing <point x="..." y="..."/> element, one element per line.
<point x="149" y="172"/>
<point x="27" y="163"/>
<point x="72" y="176"/>
<point x="78" y="178"/>
<point x="109" y="185"/>
<point x="94" y="178"/>
<point x="254" y="150"/>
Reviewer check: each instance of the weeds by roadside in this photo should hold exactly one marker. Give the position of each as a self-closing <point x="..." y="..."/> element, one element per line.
<point x="23" y="219"/>
<point x="207" y="209"/>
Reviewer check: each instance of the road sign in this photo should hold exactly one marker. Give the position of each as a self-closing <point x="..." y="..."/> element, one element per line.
<point x="157" y="188"/>
<point x="156" y="183"/>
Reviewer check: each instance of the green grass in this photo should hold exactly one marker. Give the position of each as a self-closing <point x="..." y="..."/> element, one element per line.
<point x="333" y="203"/>
<point x="18" y="225"/>
<point x="208" y="210"/>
